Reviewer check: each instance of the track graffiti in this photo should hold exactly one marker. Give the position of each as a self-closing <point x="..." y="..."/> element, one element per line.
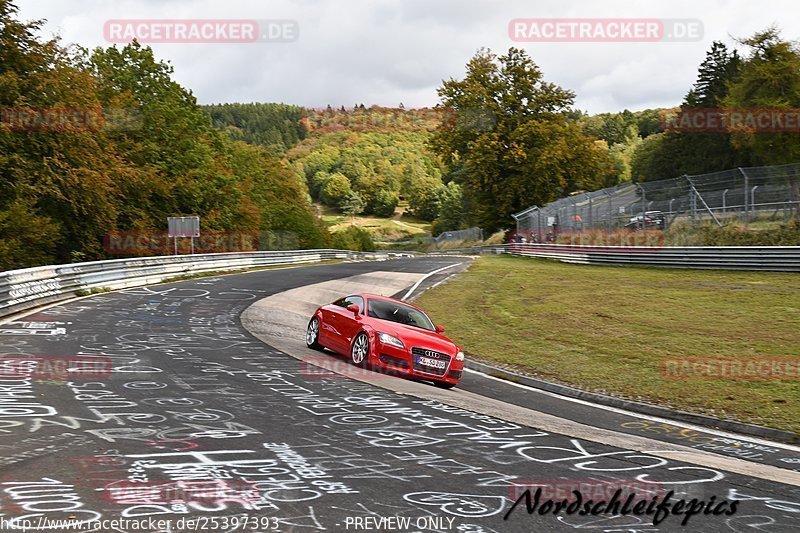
<point x="199" y="419"/>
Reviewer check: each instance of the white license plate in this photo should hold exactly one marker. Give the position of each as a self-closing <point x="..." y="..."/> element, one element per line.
<point x="433" y="363"/>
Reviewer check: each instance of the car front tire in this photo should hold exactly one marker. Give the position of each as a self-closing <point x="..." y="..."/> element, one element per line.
<point x="359" y="353"/>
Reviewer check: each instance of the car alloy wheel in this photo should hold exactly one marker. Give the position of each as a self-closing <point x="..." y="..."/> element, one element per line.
<point x="360" y="352"/>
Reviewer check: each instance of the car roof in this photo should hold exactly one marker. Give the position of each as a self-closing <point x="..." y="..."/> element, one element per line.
<point x="369" y="296"/>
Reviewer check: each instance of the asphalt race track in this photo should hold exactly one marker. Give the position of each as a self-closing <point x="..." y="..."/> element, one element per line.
<point x="202" y="426"/>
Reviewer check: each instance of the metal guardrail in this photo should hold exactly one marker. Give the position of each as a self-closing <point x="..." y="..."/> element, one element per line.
<point x="32" y="287"/>
<point x="28" y="288"/>
<point x="766" y="258"/>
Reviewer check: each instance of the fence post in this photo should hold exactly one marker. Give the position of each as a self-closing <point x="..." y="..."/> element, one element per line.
<point x="539" y="224"/>
<point x="724" y="202"/>
<point x="644" y="207"/>
<point x="574" y="213"/>
<point x="692" y="203"/>
<point x="746" y="208"/>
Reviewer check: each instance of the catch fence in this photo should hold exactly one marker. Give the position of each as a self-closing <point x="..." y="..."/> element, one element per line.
<point x="745" y="195"/>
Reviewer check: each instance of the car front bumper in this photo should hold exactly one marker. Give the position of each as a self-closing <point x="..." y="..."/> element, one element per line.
<point x="392" y="358"/>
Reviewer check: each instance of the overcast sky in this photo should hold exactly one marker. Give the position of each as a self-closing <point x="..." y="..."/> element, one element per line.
<point x="390" y="51"/>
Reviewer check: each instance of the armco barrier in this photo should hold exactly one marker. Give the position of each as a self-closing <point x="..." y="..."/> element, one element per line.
<point x="767" y="258"/>
<point x="32" y="287"/>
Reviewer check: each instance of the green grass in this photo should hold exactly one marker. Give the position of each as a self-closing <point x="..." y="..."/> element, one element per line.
<point x="380" y="228"/>
<point x="399" y="227"/>
<point x="606" y="329"/>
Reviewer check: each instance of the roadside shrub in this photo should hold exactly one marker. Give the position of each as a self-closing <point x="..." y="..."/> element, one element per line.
<point x="786" y="235"/>
<point x="709" y="234"/>
<point x="353" y="238"/>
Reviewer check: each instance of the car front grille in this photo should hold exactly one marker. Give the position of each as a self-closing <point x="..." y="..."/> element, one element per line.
<point x="431" y="354"/>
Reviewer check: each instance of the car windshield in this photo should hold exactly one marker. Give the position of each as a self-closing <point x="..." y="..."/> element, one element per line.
<point x="402" y="314"/>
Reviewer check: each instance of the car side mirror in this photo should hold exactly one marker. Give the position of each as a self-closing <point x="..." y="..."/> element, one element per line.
<point x="439" y="329"/>
<point x="353" y="308"/>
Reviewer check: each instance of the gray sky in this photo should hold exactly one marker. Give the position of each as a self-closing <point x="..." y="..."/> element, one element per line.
<point x="390" y="51"/>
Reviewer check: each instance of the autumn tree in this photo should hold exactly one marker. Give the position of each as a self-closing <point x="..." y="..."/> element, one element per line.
<point x="511" y="144"/>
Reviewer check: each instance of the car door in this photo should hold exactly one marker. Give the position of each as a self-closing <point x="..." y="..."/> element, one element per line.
<point x="349" y="323"/>
<point x="327" y="329"/>
<point x="340" y="323"/>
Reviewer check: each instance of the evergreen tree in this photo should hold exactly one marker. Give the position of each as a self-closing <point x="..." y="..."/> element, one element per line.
<point x="718" y="70"/>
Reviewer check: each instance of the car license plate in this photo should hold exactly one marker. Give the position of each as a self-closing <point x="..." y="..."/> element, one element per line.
<point x="433" y="363"/>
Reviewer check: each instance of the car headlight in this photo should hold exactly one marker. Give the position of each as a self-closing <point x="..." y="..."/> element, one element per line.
<point x="385" y="338"/>
<point x="460" y="356"/>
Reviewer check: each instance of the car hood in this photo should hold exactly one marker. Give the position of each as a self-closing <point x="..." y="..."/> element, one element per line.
<point x="418" y="337"/>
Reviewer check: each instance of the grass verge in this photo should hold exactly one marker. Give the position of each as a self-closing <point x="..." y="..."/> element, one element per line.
<point x="607" y="329"/>
<point x="399" y="227"/>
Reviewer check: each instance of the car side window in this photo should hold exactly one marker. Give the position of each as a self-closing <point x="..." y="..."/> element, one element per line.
<point x="356" y="300"/>
<point x="351" y="300"/>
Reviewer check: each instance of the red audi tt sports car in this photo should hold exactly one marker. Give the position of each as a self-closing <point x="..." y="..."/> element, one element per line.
<point x="389" y="334"/>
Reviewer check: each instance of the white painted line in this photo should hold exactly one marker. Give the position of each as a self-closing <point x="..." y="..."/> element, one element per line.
<point x="426" y="276"/>
<point x="719" y="433"/>
<point x="24" y="314"/>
